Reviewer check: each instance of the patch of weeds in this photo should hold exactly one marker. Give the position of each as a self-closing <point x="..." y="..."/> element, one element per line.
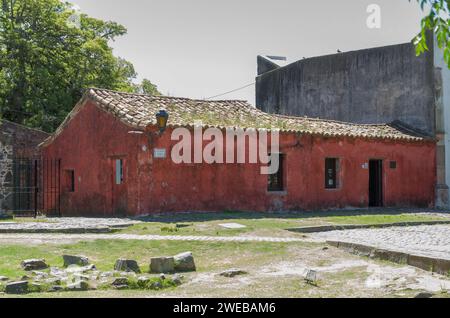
<point x="182" y="225"/>
<point x="38" y="288"/>
<point x="2" y="288"/>
<point x="169" y="229"/>
<point x="312" y="283"/>
<point x="117" y="274"/>
<point x="104" y="286"/>
<point x="153" y="283"/>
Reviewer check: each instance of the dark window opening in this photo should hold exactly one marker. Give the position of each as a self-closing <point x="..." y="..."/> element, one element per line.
<point x="70" y="180"/>
<point x="275" y="181"/>
<point x="119" y="171"/>
<point x="331" y="173"/>
<point x="393" y="164"/>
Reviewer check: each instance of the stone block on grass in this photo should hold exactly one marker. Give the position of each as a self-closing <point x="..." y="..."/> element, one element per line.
<point x="120" y="283"/>
<point x="184" y="262"/>
<point x="17" y="288"/>
<point x="163" y="265"/>
<point x="127" y="265"/>
<point x="34" y="264"/>
<point x="75" y="260"/>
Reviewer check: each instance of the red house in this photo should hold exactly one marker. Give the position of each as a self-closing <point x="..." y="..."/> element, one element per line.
<point x="114" y="162"/>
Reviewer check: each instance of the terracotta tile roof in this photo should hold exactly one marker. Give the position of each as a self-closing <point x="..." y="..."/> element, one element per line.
<point x="139" y="110"/>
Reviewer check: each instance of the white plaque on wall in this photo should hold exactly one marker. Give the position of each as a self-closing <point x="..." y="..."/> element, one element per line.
<point x="159" y="153"/>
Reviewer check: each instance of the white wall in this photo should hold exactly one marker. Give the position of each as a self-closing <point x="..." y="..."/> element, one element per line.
<point x="440" y="63"/>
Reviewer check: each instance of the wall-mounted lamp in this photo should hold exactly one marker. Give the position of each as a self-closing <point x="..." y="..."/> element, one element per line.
<point x="162" y="118"/>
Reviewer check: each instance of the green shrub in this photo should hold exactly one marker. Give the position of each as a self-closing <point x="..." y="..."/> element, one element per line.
<point x="169" y="229"/>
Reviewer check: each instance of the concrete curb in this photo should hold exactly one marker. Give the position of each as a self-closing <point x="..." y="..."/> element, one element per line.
<point x="436" y="265"/>
<point x="329" y="228"/>
<point x="95" y="230"/>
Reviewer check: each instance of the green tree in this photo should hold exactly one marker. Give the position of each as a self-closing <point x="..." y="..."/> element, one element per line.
<point x="147" y="87"/>
<point x="438" y="21"/>
<point x="50" y="53"/>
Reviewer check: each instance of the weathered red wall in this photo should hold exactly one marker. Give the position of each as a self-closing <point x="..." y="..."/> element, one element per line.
<point x="94" y="138"/>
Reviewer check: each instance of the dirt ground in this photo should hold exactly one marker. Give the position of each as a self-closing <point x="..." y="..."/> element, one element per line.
<point x="282" y="274"/>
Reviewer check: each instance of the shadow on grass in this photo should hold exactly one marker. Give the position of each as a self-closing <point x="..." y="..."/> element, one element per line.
<point x="235" y="215"/>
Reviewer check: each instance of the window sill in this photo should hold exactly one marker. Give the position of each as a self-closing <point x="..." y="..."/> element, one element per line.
<point x="277" y="192"/>
<point x="335" y="189"/>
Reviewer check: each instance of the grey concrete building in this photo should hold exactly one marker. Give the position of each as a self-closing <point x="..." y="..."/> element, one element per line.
<point x="377" y="85"/>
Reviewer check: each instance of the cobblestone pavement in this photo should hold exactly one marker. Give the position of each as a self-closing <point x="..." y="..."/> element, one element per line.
<point x="58" y="238"/>
<point x="426" y="240"/>
<point x="67" y="223"/>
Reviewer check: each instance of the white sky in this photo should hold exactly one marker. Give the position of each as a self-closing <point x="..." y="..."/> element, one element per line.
<point x="201" y="48"/>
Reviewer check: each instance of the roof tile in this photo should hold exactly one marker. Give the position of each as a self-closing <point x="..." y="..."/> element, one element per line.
<point x="138" y="110"/>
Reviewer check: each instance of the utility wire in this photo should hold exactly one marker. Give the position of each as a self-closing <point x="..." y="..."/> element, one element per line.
<point x="232" y="91"/>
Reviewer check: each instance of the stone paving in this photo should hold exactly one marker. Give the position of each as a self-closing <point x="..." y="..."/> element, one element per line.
<point x="67" y="223"/>
<point x="433" y="240"/>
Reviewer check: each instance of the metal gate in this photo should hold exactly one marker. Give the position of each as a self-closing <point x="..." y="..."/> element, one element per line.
<point x="36" y="186"/>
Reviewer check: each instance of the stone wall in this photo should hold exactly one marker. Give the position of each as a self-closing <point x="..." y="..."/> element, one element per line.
<point x="16" y="141"/>
<point x="6" y="155"/>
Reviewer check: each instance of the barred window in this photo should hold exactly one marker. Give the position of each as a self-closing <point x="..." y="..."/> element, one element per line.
<point x="331" y="173"/>
<point x="276" y="180"/>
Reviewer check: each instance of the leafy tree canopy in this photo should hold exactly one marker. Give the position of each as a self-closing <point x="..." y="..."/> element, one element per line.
<point x="147" y="87"/>
<point x="50" y="53"/>
<point x="438" y="21"/>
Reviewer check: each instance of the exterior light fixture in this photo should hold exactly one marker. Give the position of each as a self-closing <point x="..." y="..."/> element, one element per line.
<point x="161" y="120"/>
<point x="162" y="117"/>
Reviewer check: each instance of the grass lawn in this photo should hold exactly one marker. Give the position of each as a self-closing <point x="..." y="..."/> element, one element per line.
<point x="261" y="224"/>
<point x="274" y="269"/>
<point x="266" y="224"/>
